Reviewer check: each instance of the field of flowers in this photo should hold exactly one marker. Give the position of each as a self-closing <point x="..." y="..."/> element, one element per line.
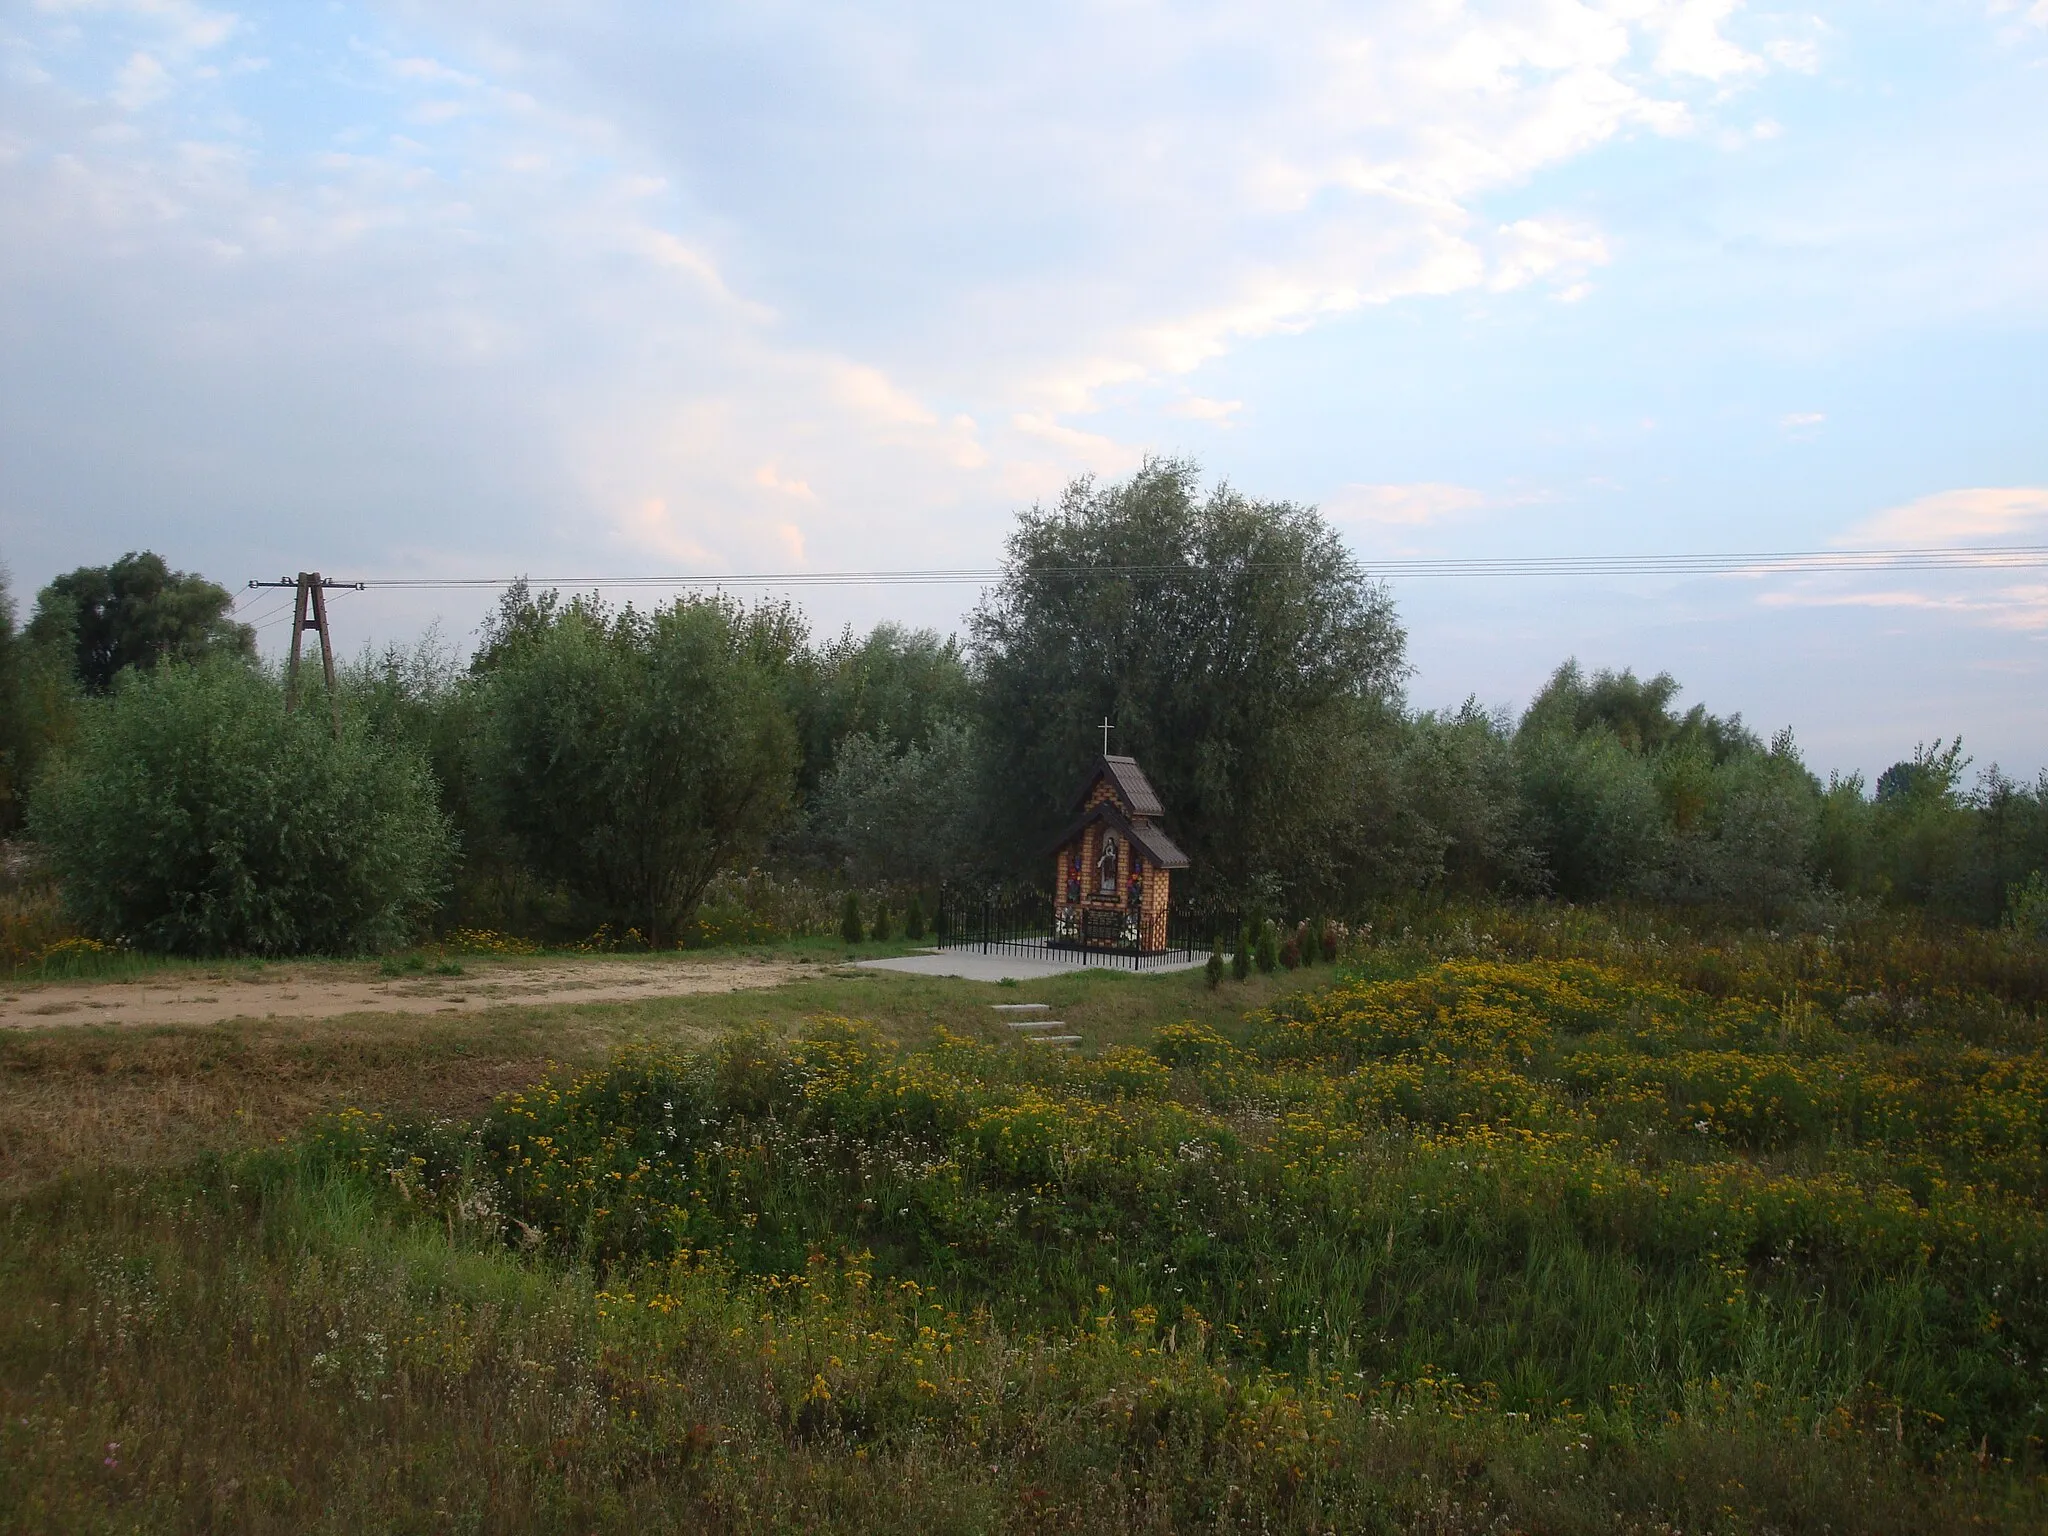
<point x="1467" y="1240"/>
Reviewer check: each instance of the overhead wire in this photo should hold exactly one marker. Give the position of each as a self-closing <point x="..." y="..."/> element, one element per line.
<point x="1753" y="564"/>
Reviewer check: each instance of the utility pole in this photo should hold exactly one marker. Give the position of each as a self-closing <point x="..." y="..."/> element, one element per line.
<point x="309" y="611"/>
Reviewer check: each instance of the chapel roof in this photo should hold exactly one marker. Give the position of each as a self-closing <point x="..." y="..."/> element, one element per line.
<point x="1159" y="848"/>
<point x="1132" y="787"/>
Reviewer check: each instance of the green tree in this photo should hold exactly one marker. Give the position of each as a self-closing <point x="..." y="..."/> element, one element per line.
<point x="1623" y="796"/>
<point x="851" y="929"/>
<point x="1235" y="643"/>
<point x="38" y="708"/>
<point x="137" y="612"/>
<point x="1594" y="811"/>
<point x="634" y="756"/>
<point x="906" y="817"/>
<point x="896" y="686"/>
<point x="192" y="815"/>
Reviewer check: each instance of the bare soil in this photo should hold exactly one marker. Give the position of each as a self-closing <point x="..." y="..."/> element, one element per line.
<point x="327" y="992"/>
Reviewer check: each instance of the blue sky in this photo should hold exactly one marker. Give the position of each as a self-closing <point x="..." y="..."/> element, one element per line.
<point x="436" y="289"/>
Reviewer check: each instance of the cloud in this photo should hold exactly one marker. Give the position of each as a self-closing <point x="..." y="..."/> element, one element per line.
<point x="1406" y="506"/>
<point x="141" y="82"/>
<point x="2023" y="608"/>
<point x="773" y="479"/>
<point x="538" y="277"/>
<point x="1694" y="44"/>
<point x="1959" y="517"/>
<point x="1198" y="408"/>
<point x="1536" y="248"/>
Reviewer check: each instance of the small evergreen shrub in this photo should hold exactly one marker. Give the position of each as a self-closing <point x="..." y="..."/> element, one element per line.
<point x="913" y="918"/>
<point x="1241" y="962"/>
<point x="1214" y="969"/>
<point x="850" y="928"/>
<point x="1268" y="952"/>
<point x="883" y="931"/>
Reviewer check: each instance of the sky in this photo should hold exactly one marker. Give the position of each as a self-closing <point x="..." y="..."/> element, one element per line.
<point x="441" y="288"/>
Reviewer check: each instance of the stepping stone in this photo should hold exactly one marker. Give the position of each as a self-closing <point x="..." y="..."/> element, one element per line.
<point x="1034" y="1023"/>
<point x="1020" y="1007"/>
<point x="1052" y="1039"/>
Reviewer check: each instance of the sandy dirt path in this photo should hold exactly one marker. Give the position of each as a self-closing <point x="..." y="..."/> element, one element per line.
<point x="325" y="993"/>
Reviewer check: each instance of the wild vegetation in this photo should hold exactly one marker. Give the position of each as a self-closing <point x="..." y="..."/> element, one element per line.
<point x="598" y="768"/>
<point x="1517" y="1220"/>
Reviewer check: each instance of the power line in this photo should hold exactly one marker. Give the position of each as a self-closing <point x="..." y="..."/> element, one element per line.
<point x="1762" y="563"/>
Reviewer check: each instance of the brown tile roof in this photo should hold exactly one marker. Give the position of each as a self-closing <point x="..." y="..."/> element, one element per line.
<point x="1132" y="787"/>
<point x="1159" y="848"/>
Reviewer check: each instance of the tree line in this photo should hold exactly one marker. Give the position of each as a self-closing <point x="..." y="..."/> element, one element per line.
<point x="595" y="765"/>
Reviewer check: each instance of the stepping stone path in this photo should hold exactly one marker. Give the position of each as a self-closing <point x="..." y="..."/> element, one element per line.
<point x="1019" y="1017"/>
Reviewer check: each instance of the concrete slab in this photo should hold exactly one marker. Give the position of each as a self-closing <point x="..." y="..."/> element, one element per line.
<point x="973" y="965"/>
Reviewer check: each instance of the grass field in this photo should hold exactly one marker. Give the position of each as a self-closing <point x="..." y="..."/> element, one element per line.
<point x="1518" y="1221"/>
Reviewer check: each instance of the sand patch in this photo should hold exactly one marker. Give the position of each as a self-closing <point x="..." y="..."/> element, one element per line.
<point x="331" y="992"/>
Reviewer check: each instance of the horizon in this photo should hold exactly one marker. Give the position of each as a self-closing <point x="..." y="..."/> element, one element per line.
<point x="439" y="290"/>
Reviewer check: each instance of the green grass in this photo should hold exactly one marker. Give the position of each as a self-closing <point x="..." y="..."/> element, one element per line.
<point x="1462" y="1244"/>
<point x="78" y="1098"/>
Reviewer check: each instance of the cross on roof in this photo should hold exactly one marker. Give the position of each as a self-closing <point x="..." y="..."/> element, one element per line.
<point x="1106" y="729"/>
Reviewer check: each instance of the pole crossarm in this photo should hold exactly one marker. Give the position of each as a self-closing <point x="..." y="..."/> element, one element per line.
<point x="309" y="612"/>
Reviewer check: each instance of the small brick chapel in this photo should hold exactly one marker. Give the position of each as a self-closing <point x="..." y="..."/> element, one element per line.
<point x="1113" y="864"/>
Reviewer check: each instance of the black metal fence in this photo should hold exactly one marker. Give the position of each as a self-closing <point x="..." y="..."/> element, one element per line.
<point x="1025" y="922"/>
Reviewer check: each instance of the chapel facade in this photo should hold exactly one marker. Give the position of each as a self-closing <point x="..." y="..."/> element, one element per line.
<point x="1112" y="866"/>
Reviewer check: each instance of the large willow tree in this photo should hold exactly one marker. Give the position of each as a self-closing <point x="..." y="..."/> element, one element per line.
<point x="635" y="755"/>
<point x="1241" y="650"/>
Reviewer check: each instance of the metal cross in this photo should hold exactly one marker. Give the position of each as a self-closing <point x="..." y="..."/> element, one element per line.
<point x="1106" y="729"/>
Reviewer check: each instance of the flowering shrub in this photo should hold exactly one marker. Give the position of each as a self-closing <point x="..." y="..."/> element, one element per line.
<point x="487" y="941"/>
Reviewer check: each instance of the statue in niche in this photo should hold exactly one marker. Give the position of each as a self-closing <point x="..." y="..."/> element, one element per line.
<point x="1105" y="866"/>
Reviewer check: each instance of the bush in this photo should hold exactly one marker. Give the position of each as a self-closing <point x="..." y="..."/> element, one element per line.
<point x="850" y="926"/>
<point x="1241" y="962"/>
<point x="2026" y="908"/>
<point x="1214" y="969"/>
<point x="882" y="930"/>
<point x="1268" y="952"/>
<point x="913" y="918"/>
<point x="192" y="815"/>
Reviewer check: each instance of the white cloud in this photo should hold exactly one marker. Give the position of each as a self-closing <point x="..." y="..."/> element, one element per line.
<point x="2023" y="608"/>
<point x="1530" y="249"/>
<point x="1413" y="505"/>
<point x="1958" y="517"/>
<point x="570" y="249"/>
<point x="1200" y="408"/>
<point x="142" y="81"/>
<point x="1694" y="44"/>
<point x="772" y="478"/>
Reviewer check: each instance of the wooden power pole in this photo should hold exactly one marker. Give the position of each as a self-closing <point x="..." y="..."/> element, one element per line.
<point x="309" y="612"/>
